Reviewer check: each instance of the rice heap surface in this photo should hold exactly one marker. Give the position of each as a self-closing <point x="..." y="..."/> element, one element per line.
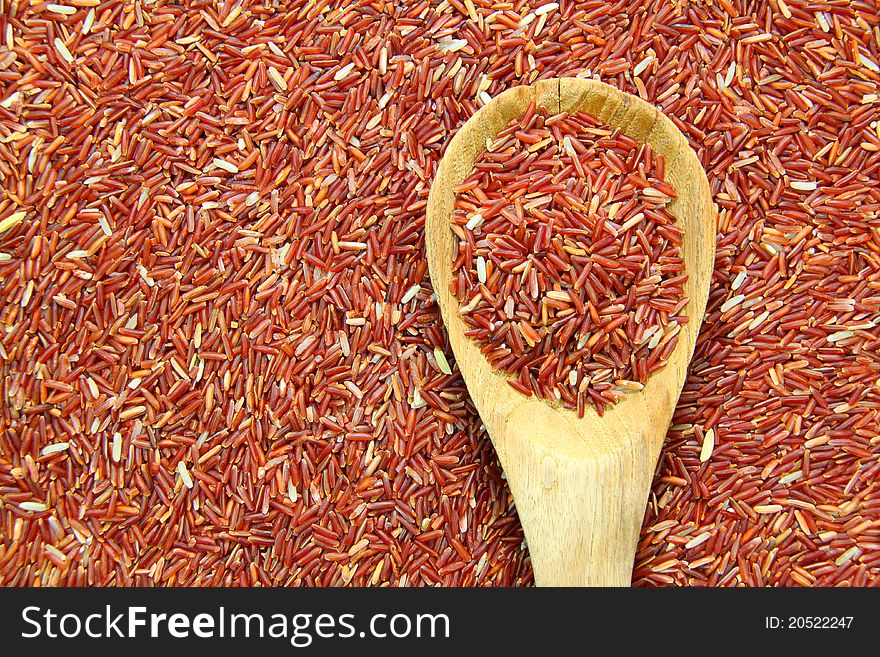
<point x="568" y="269"/>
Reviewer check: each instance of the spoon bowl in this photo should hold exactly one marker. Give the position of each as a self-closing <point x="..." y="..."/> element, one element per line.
<point x="580" y="485"/>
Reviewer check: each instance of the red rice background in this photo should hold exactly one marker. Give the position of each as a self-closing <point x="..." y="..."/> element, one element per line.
<point x="248" y="184"/>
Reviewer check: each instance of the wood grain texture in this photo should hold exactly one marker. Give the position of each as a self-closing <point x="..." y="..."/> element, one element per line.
<point x="580" y="485"/>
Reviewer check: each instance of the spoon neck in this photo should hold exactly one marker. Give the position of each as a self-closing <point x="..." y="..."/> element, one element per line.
<point x="581" y="512"/>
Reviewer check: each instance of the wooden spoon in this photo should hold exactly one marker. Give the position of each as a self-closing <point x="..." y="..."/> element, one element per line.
<point x="580" y="485"/>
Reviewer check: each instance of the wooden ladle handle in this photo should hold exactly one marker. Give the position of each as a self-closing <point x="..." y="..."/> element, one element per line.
<point x="580" y="484"/>
<point x="581" y="515"/>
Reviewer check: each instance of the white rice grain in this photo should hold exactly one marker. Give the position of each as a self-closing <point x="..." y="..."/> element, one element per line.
<point x="55" y="448"/>
<point x="481" y="269"/>
<point x="546" y="9"/>
<point x="11" y="221"/>
<point x="442" y="363"/>
<point x="642" y="66"/>
<point x="451" y="45"/>
<point x="411" y="293"/>
<point x="225" y="165"/>
<point x="343" y="72"/>
<point x="185" y="477"/>
<point x="63" y="51"/>
<point x="697" y="540"/>
<point x="732" y="302"/>
<point x="708" y="445"/>
<point x="804" y="185"/>
<point x="475" y="221"/>
<point x="64" y="10"/>
<point x="840" y="335"/>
